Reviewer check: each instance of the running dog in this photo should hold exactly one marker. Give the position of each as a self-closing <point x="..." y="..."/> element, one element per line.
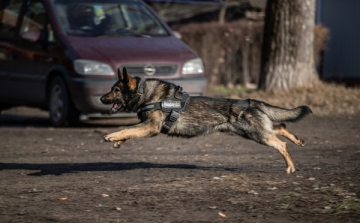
<point x="162" y="107"/>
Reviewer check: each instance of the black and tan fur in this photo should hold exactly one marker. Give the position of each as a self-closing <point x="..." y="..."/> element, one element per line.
<point x="249" y="118"/>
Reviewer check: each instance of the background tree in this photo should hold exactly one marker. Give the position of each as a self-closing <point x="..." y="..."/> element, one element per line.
<point x="288" y="45"/>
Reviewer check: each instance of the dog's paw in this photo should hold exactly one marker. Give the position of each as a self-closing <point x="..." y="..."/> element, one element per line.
<point x="118" y="144"/>
<point x="109" y="138"/>
<point x="290" y="170"/>
<point x="302" y="142"/>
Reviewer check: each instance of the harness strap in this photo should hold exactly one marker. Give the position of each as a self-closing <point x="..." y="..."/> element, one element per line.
<point x="172" y="107"/>
<point x="174" y="114"/>
<point x="141" y="86"/>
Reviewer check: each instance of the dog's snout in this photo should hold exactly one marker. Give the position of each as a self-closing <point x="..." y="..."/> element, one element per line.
<point x="103" y="99"/>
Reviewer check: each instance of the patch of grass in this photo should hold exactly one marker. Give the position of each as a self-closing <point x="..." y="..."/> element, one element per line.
<point x="350" y="205"/>
<point x="292" y="195"/>
<point x="109" y="221"/>
<point x="353" y="184"/>
<point x="332" y="190"/>
<point x="282" y="206"/>
<point x="222" y="90"/>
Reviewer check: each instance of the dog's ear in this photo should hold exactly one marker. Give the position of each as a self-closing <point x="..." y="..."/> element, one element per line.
<point x="120" y="75"/>
<point x="128" y="79"/>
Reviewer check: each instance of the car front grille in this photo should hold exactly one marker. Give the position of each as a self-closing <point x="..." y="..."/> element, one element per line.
<point x="151" y="70"/>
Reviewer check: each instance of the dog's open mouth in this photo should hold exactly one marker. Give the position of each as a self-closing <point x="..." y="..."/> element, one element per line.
<point x="115" y="108"/>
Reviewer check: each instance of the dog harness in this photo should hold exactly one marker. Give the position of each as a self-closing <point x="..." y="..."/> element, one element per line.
<point x="171" y="106"/>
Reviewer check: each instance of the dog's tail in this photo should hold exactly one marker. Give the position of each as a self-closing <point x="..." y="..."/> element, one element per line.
<point x="278" y="114"/>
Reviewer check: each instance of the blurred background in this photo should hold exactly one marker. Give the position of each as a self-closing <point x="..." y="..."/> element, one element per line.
<point x="236" y="26"/>
<point x="285" y="52"/>
<point x="228" y="36"/>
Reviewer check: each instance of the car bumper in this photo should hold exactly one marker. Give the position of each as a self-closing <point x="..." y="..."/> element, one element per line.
<point x="86" y="93"/>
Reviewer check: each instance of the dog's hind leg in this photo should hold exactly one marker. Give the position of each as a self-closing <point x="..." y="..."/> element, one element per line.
<point x="276" y="143"/>
<point x="281" y="130"/>
<point x="257" y="126"/>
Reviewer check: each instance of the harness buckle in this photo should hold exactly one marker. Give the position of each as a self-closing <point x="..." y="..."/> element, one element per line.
<point x="174" y="115"/>
<point x="166" y="127"/>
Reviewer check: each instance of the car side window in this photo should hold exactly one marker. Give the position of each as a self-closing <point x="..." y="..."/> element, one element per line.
<point x="35" y="23"/>
<point x="9" y="14"/>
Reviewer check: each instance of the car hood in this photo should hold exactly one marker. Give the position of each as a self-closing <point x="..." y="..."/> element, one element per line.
<point x="130" y="49"/>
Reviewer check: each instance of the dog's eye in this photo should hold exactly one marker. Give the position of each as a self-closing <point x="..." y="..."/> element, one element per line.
<point x="116" y="89"/>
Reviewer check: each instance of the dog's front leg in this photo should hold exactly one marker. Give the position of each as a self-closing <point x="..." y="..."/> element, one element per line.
<point x="149" y="128"/>
<point x="139" y="131"/>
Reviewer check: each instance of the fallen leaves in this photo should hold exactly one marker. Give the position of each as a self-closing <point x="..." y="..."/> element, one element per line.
<point x="253" y="192"/>
<point x="117" y="208"/>
<point x="105" y="195"/>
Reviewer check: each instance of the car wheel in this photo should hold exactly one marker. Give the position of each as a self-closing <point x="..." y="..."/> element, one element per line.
<point x="4" y="106"/>
<point x="62" y="112"/>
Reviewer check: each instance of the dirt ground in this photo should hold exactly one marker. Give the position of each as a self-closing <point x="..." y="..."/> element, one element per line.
<point x="71" y="175"/>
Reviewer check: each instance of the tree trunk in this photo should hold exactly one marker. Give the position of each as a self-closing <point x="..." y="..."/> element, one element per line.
<point x="288" y="47"/>
<point x="222" y="14"/>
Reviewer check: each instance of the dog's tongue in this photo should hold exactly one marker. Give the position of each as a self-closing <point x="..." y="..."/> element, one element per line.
<point x="115" y="108"/>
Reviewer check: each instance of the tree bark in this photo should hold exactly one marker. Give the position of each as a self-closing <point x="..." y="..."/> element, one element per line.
<point x="222" y="14"/>
<point x="288" y="46"/>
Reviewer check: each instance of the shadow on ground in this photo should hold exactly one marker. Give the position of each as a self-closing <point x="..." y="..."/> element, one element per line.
<point x="62" y="168"/>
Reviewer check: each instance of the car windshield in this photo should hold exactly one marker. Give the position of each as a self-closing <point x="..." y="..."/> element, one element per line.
<point x="107" y="18"/>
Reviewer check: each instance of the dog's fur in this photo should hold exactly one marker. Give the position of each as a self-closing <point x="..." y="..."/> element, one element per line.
<point x="249" y="118"/>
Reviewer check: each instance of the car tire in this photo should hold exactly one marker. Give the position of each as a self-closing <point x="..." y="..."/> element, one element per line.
<point x="4" y="106"/>
<point x="61" y="109"/>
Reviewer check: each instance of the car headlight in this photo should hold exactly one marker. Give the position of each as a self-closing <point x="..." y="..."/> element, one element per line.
<point x="92" y="67"/>
<point x="194" y="66"/>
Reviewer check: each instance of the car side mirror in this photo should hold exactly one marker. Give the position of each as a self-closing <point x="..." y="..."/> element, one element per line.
<point x="32" y="35"/>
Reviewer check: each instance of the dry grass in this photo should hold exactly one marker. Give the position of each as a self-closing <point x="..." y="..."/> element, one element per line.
<point x="226" y="48"/>
<point x="324" y="99"/>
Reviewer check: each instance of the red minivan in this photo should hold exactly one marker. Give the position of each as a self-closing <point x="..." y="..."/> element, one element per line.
<point x="62" y="55"/>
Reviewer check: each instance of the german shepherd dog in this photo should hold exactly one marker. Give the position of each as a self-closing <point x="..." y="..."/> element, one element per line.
<point x="201" y="115"/>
